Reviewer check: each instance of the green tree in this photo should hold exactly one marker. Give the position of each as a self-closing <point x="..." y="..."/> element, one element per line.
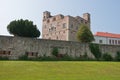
<point x="84" y="35"/>
<point x="23" y="28"/>
<point x="95" y="50"/>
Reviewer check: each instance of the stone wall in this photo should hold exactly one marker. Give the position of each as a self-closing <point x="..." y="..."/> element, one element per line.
<point x="14" y="47"/>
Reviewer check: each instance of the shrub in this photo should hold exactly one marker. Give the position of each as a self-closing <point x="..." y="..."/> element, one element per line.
<point x="107" y="57"/>
<point x="46" y="58"/>
<point x="117" y="56"/>
<point x="55" y="51"/>
<point x="94" y="48"/>
<point x="4" y="58"/>
<point x="23" y="57"/>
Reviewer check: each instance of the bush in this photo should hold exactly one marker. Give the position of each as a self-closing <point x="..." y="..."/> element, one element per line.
<point x="4" y="58"/>
<point x="107" y="57"/>
<point x="95" y="50"/>
<point x="55" y="51"/>
<point x="45" y="58"/>
<point x="117" y="56"/>
<point x="23" y="57"/>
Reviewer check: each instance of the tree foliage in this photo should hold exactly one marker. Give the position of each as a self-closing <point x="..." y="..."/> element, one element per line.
<point x="117" y="57"/>
<point x="84" y="34"/>
<point x="23" y="28"/>
<point x="55" y="51"/>
<point x="95" y="50"/>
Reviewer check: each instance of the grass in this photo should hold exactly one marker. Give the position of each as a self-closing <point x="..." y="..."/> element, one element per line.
<point x="61" y="70"/>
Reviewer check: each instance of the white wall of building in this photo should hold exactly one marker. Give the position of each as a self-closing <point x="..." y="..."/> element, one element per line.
<point x="106" y="40"/>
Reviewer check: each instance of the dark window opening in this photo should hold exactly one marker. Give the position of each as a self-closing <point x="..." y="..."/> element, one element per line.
<point x="32" y="54"/>
<point x="109" y="41"/>
<point x="112" y="41"/>
<point x="5" y="53"/>
<point x="100" y="41"/>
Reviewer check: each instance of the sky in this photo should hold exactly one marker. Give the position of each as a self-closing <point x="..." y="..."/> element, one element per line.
<point x="105" y="14"/>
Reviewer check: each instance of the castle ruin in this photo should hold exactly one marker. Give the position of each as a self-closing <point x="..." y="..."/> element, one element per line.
<point x="60" y="27"/>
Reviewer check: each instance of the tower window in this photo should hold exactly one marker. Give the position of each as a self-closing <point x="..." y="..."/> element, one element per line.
<point x="48" y="21"/>
<point x="54" y="19"/>
<point x="85" y="22"/>
<point x="64" y="25"/>
<point x="57" y="37"/>
<point x="81" y="21"/>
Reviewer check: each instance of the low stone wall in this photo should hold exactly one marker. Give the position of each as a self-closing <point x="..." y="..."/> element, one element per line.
<point x="14" y="47"/>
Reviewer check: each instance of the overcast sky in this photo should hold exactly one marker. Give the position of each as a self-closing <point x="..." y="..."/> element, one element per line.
<point x="105" y="14"/>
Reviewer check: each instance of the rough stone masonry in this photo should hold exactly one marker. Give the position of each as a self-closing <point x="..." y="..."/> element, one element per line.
<point x="14" y="47"/>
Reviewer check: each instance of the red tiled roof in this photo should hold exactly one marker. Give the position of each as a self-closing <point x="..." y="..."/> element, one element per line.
<point x="106" y="34"/>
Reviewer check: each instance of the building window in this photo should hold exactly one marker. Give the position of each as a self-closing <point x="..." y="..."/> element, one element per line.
<point x="31" y="54"/>
<point x="48" y="21"/>
<point x="85" y="22"/>
<point x="9" y="52"/>
<point x="109" y="41"/>
<point x="64" y="25"/>
<point x="5" y="53"/>
<point x="49" y="30"/>
<point x="100" y="41"/>
<point x="118" y="41"/>
<point x="57" y="37"/>
<point x="81" y="21"/>
<point x="112" y="41"/>
<point x="54" y="19"/>
<point x="55" y="28"/>
<point x="115" y="41"/>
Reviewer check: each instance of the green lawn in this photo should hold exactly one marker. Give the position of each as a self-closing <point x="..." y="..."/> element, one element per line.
<point x="61" y="70"/>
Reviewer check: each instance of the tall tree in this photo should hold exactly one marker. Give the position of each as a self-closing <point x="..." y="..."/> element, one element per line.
<point x="84" y="35"/>
<point x="23" y="28"/>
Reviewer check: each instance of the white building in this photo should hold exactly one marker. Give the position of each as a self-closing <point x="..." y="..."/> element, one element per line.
<point x="107" y="38"/>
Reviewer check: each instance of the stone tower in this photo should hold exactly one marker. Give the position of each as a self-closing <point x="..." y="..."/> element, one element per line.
<point x="60" y="27"/>
<point x="46" y="15"/>
<point x="86" y="16"/>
